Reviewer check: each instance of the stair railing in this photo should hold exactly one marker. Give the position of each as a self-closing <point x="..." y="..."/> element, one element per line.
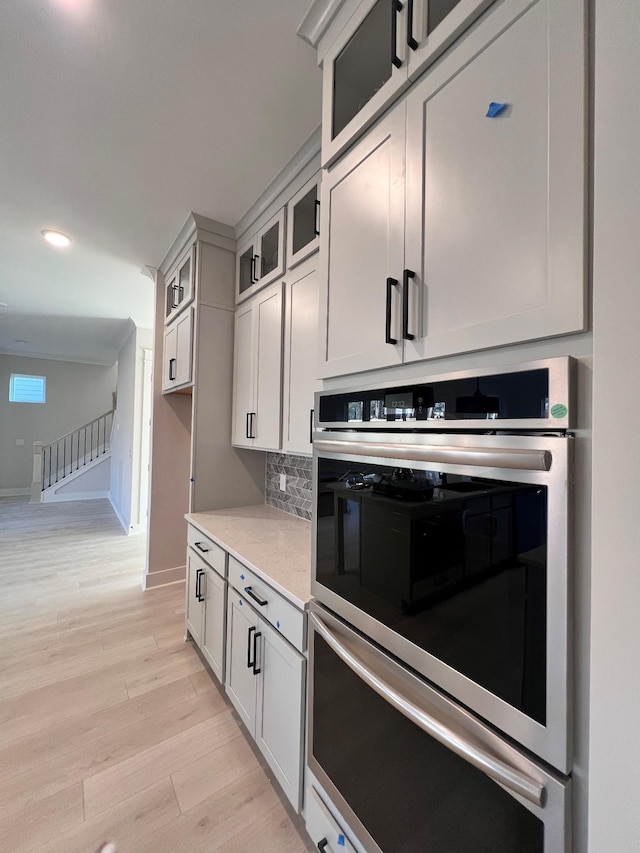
<point x="71" y="452"/>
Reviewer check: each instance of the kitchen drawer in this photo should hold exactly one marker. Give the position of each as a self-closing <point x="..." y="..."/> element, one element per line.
<point x="322" y="827"/>
<point x="208" y="550"/>
<point x="282" y="614"/>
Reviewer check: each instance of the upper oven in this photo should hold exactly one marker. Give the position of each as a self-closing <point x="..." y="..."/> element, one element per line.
<point x="450" y="549"/>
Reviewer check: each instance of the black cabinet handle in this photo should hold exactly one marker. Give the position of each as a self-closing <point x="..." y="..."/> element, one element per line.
<point x="252" y="273"/>
<point x="310" y="426"/>
<point x="200" y="547"/>
<point x="250" y="417"/>
<point x="316" y="221"/>
<point x="180" y="294"/>
<point x="246" y="427"/>
<point x="322" y="844"/>
<point x="174" y="304"/>
<point x="256" y="258"/>
<point x="172" y="374"/>
<point x="250" y="663"/>
<point x="406" y="275"/>
<point x="396" y="6"/>
<point x="391" y="283"/>
<point x="251" y="594"/>
<point x="411" y="42"/>
<point x="199" y="575"/>
<point x="256" y="669"/>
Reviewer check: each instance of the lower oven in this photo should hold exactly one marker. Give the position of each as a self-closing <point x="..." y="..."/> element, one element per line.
<point x="412" y="771"/>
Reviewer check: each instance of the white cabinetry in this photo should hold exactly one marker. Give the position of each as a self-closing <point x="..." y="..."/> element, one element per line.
<point x="324" y="831"/>
<point x="492" y="249"/>
<point x="260" y="260"/>
<point x="258" y="371"/>
<point x="206" y="599"/>
<point x="265" y="681"/>
<point x="303" y="222"/>
<point x="384" y="46"/>
<point x="180" y="285"/>
<point x="300" y="356"/>
<point x="178" y="354"/>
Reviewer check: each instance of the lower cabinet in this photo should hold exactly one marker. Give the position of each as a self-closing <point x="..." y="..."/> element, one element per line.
<point x="265" y="681"/>
<point x="206" y="611"/>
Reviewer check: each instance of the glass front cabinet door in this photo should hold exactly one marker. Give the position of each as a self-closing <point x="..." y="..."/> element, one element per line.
<point x="260" y="260"/>
<point x="180" y="285"/>
<point x="303" y="222"/>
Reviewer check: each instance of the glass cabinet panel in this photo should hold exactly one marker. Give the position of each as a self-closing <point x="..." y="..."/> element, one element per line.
<point x="305" y="222"/>
<point x="184" y="280"/>
<point x="269" y="250"/>
<point x="172" y="296"/>
<point x="364" y="65"/>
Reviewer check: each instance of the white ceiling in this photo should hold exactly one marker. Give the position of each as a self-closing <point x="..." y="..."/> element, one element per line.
<point x="118" y="118"/>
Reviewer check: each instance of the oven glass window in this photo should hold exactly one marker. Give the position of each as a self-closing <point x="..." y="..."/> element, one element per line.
<point x="411" y="793"/>
<point x="456" y="565"/>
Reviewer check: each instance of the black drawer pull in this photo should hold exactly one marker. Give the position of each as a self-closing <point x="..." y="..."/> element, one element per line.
<point x="252" y="595"/>
<point x="200" y="547"/>
<point x="322" y="844"/>
<point x="316" y="218"/>
<point x="172" y="373"/>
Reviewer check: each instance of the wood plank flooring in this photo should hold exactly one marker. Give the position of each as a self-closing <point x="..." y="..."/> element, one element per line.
<point x="111" y="728"/>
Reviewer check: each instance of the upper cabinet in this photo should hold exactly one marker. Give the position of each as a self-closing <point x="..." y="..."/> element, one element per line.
<point x="303" y="222"/>
<point x="458" y="222"/>
<point x="385" y="45"/>
<point x="180" y="285"/>
<point x="177" y="373"/>
<point x="260" y="260"/>
<point x="257" y="376"/>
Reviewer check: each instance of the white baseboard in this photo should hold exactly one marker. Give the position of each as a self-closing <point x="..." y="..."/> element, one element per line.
<point x="167" y="576"/>
<point x="52" y="498"/>
<point x="14" y="493"/>
<point x="116" y="509"/>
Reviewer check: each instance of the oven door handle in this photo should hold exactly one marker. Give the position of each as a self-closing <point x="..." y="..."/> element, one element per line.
<point x="485" y="457"/>
<point x="499" y="771"/>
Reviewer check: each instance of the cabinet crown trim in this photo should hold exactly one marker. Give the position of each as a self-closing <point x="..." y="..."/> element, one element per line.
<point x="198" y="227"/>
<point x="317" y="20"/>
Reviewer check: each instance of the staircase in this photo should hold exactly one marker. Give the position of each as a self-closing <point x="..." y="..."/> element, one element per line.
<point x="73" y="458"/>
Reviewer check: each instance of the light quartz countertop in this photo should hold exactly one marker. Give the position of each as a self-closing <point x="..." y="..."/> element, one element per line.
<point x="273" y="544"/>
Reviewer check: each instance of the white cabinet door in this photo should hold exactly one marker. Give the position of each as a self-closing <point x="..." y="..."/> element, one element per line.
<point x="362" y="253"/>
<point x="243" y="363"/>
<point x="213" y="632"/>
<point x="265" y="427"/>
<point x="279" y="717"/>
<point x="184" y="349"/>
<point x="181" y="285"/>
<point x="261" y="259"/>
<point x="495" y="184"/>
<point x="257" y="399"/>
<point x="303" y="222"/>
<point x="241" y="675"/>
<point x="177" y="370"/>
<point x="194" y="598"/>
<point x="300" y="357"/>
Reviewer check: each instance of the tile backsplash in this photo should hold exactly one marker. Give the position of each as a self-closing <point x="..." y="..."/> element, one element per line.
<point x="296" y="499"/>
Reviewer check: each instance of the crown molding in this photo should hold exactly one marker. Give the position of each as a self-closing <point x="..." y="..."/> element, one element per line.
<point x="198" y="227"/>
<point x="317" y="20"/>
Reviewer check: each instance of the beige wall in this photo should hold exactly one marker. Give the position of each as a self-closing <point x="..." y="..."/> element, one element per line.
<point x="75" y="394"/>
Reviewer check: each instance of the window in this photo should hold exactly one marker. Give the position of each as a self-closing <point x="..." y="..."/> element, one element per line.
<point x="27" y="389"/>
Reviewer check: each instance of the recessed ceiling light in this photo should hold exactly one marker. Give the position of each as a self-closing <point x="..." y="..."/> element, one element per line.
<point x="56" y="238"/>
<point x="4" y="304"/>
<point x="20" y="341"/>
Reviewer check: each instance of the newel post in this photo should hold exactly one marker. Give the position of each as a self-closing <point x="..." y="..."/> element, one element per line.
<point x="36" y="479"/>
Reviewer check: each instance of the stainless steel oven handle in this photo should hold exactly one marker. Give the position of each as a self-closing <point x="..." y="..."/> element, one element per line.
<point x="485" y="457"/>
<point x="488" y="764"/>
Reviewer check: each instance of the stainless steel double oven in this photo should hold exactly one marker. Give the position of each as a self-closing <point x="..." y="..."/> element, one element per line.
<point x="440" y="700"/>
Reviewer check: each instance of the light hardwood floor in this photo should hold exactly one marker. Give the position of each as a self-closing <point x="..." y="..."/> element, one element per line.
<point x="111" y="728"/>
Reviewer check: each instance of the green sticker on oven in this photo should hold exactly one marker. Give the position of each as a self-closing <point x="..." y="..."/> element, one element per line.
<point x="559" y="411"/>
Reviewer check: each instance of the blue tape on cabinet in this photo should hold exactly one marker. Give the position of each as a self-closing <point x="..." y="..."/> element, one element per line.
<point x="495" y="109"/>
